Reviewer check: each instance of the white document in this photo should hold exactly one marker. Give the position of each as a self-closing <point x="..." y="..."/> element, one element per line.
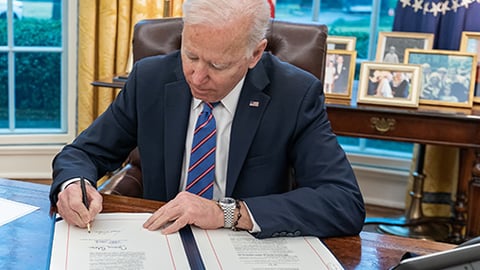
<point x="11" y="210"/>
<point x="226" y="249"/>
<point x="116" y="241"/>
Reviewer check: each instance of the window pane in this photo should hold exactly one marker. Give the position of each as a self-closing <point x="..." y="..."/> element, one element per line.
<point x="348" y="140"/>
<point x="39" y="17"/>
<point x="37" y="90"/>
<point x="3" y="32"/>
<point x="17" y="7"/>
<point x="390" y="145"/>
<point x="3" y="90"/>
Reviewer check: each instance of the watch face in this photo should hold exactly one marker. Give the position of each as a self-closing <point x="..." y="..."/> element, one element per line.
<point x="227" y="201"/>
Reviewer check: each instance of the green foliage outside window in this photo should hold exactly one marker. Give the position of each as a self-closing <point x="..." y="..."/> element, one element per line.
<point x="37" y="75"/>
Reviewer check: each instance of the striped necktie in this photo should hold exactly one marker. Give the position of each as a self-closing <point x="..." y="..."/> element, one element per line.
<point x="201" y="172"/>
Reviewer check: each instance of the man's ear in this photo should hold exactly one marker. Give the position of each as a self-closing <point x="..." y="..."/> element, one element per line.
<point x="257" y="53"/>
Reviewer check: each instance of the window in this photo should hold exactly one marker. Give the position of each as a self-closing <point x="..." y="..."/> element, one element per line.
<point x="37" y="81"/>
<point x="362" y="19"/>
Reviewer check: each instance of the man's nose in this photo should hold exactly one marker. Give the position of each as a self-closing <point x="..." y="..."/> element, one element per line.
<point x="200" y="73"/>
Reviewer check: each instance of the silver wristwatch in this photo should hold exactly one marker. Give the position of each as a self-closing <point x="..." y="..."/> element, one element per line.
<point x="228" y="206"/>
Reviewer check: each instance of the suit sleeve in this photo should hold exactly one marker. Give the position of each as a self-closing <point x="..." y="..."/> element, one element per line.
<point x="103" y="146"/>
<point x="326" y="200"/>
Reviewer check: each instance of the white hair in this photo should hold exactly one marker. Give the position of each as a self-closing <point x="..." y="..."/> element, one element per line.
<point x="222" y="12"/>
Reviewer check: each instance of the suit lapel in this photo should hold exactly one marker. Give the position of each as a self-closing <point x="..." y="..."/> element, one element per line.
<point x="177" y="112"/>
<point x="251" y="106"/>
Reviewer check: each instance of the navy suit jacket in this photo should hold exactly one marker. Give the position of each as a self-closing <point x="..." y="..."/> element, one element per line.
<point x="287" y="136"/>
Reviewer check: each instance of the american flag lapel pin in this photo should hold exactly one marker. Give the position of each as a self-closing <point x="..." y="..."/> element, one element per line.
<point x="254" y="103"/>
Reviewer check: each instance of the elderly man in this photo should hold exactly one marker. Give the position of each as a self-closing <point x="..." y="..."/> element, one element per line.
<point x="267" y="160"/>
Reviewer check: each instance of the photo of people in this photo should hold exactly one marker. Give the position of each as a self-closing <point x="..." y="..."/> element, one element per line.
<point x="446" y="77"/>
<point x="339" y="70"/>
<point x="471" y="43"/>
<point x="389" y="84"/>
<point x="392" y="45"/>
<point x="442" y="82"/>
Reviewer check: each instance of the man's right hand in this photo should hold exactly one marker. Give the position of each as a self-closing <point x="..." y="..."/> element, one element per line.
<point x="71" y="208"/>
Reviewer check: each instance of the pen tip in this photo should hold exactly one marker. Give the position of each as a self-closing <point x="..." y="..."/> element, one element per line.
<point x="88" y="227"/>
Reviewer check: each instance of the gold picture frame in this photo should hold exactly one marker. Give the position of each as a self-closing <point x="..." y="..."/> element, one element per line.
<point x="389" y="84"/>
<point x="347" y="43"/>
<point x="339" y="72"/>
<point x="446" y="76"/>
<point x="470" y="42"/>
<point x="391" y="46"/>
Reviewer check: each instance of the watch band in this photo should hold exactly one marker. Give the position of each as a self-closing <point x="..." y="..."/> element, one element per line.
<point x="228" y="214"/>
<point x="228" y="206"/>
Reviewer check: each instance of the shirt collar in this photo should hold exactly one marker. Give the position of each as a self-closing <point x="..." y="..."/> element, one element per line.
<point x="230" y="101"/>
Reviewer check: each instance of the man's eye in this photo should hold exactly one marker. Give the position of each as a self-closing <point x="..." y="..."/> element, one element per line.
<point x="218" y="66"/>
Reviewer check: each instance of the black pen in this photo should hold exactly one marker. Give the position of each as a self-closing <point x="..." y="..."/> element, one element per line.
<point x="84" y="198"/>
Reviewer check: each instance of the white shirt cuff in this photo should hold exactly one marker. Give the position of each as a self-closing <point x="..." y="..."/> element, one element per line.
<point x="256" y="228"/>
<point x="70" y="181"/>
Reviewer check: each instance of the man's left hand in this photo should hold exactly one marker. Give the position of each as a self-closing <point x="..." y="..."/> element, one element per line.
<point x="186" y="208"/>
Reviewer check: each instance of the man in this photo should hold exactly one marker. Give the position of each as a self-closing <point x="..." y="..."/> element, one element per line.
<point x="341" y="76"/>
<point x="271" y="124"/>
<point x="426" y="73"/>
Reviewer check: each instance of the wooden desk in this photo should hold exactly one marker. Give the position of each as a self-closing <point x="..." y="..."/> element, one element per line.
<point x="26" y="242"/>
<point x="378" y="251"/>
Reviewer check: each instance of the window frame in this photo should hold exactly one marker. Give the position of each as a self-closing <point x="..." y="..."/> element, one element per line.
<point x="26" y="156"/>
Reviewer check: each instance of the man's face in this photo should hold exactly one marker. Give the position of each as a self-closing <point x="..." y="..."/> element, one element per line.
<point x="215" y="60"/>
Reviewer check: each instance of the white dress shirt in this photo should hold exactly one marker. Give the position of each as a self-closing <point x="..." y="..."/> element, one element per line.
<point x="223" y="113"/>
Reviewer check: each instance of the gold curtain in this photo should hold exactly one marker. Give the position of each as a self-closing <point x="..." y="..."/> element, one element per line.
<point x="105" y="33"/>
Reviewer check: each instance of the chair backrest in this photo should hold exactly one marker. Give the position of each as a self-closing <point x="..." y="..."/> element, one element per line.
<point x="301" y="44"/>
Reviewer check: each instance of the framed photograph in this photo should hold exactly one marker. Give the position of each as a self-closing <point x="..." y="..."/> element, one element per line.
<point x="391" y="46"/>
<point x="339" y="71"/>
<point x="470" y="42"/>
<point x="389" y="84"/>
<point x="341" y="43"/>
<point x="447" y="76"/>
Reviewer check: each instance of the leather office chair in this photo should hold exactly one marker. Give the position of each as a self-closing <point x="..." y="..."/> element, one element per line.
<point x="301" y="44"/>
